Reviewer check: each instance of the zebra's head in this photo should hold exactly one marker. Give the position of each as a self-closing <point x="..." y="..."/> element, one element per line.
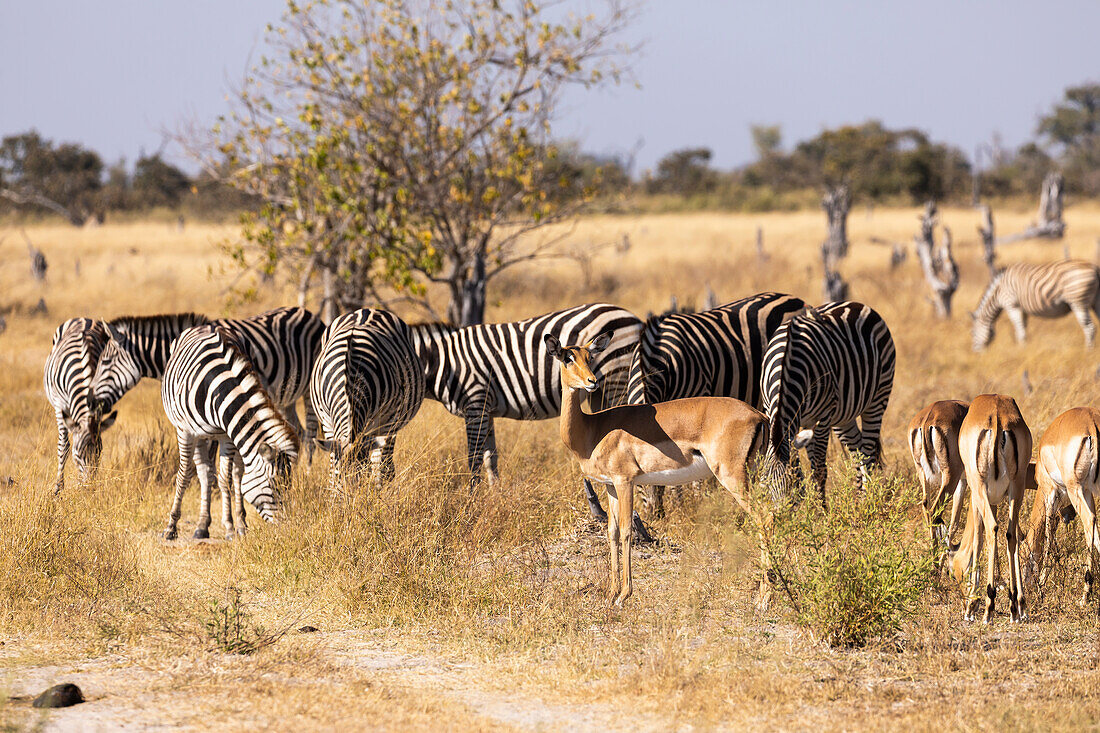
<point x="85" y="437"/>
<point x="117" y="371"/>
<point x="267" y="476"/>
<point x="986" y="314"/>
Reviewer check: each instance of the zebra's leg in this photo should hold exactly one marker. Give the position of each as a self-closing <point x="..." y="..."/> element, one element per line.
<point x="311" y="425"/>
<point x="204" y="458"/>
<point x="239" y="522"/>
<point x="290" y="412"/>
<point x="1019" y="322"/>
<point x="593" y="498"/>
<point x="1081" y="311"/>
<point x="62" y="452"/>
<point x="819" y="470"/>
<point x="388" y="470"/>
<point x="225" y="485"/>
<point x="851" y="437"/>
<point x="184" y="472"/>
<point x="336" y="456"/>
<point x="481" y="444"/>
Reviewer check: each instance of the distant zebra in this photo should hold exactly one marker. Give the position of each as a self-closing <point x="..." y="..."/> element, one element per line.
<point x="1047" y="291"/>
<point x="504" y="370"/>
<point x="283" y="343"/>
<point x="714" y="353"/>
<point x="212" y="393"/>
<point x="825" y="368"/>
<point x="367" y="384"/>
<point x="67" y="380"/>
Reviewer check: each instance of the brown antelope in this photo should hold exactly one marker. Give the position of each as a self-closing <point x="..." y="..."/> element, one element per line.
<point x="667" y="443"/>
<point x="1067" y="468"/>
<point x="995" y="445"/>
<point x="934" y="443"/>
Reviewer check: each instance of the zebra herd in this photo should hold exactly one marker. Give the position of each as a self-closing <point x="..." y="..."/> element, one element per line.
<point x="230" y="386"/>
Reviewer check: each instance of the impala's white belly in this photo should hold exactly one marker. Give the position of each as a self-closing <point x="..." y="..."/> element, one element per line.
<point x="697" y="470"/>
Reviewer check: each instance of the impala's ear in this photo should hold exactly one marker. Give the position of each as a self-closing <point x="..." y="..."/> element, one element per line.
<point x="599" y="343"/>
<point x="553" y="346"/>
<point x="973" y="315"/>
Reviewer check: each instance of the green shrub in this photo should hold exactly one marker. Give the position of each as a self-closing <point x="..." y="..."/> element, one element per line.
<point x="856" y="571"/>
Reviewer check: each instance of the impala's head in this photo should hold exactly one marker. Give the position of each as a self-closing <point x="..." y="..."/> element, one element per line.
<point x="576" y="361"/>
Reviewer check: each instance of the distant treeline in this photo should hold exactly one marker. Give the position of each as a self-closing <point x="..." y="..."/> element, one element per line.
<point x="877" y="163"/>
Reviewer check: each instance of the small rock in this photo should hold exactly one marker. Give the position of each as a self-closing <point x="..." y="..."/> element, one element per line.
<point x="307" y="629"/>
<point x="60" y="696"/>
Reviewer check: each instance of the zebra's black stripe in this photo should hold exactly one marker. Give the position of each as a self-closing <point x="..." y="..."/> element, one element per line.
<point x="824" y="369"/>
<point x="212" y="392"/>
<point x="503" y="369"/>
<point x="367" y="384"/>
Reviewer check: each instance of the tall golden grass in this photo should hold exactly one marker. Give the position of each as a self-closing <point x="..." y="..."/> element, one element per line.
<point x="513" y="579"/>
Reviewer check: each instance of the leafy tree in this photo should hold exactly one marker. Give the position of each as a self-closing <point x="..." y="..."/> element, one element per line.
<point x="766" y="139"/>
<point x="38" y="175"/>
<point x="157" y="183"/>
<point x="1074" y="127"/>
<point x="401" y="143"/>
<point x="685" y="172"/>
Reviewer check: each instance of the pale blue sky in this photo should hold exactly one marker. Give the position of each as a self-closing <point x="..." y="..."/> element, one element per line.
<point x="111" y="74"/>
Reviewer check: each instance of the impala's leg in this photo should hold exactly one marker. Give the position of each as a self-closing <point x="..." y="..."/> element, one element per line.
<point x="1019" y="322"/>
<point x="625" y="490"/>
<point x="203" y="459"/>
<point x="736" y="480"/>
<point x="183" y="477"/>
<point x="1017" y="607"/>
<point x="613" y="539"/>
<point x="956" y="508"/>
<point x="819" y="470"/>
<point x="225" y="486"/>
<point x="62" y="451"/>
<point x="973" y="572"/>
<point x="1084" y="504"/>
<point x="989" y="519"/>
<point x="1081" y="311"/>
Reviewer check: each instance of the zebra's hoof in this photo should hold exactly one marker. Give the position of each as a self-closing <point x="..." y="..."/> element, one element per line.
<point x="170" y="534"/>
<point x="201" y="534"/>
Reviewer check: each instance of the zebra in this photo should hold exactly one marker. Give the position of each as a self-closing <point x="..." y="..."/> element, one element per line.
<point x="67" y="381"/>
<point x="823" y="369"/>
<point x="367" y="384"/>
<point x="212" y="393"/>
<point x="714" y="353"/>
<point x="496" y="370"/>
<point x="1047" y="291"/>
<point x="283" y="344"/>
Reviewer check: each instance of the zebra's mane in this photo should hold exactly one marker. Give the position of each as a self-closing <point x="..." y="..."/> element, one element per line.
<point x="135" y="323"/>
<point x="990" y="289"/>
<point x="237" y="350"/>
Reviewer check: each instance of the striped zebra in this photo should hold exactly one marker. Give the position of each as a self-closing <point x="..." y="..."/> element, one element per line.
<point x="283" y="344"/>
<point x="1046" y="291"/>
<point x="825" y="368"/>
<point x="67" y="380"/>
<point x="367" y="384"/>
<point x="213" y="394"/>
<point x="714" y="353"/>
<point x="496" y="370"/>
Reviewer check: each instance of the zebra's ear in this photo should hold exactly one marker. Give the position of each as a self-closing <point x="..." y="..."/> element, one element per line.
<point x="108" y="421"/>
<point x="267" y="452"/>
<point x="553" y="346"/>
<point x="114" y="333"/>
<point x="325" y="445"/>
<point x="599" y="343"/>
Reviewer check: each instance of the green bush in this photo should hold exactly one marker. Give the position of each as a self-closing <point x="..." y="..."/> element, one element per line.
<point x="856" y="571"/>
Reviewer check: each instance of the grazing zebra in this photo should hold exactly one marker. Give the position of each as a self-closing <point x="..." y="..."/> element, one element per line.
<point x="367" y="384"/>
<point x="823" y="369"/>
<point x="1047" y="291"/>
<point x="67" y="380"/>
<point x="504" y="370"/>
<point x="212" y="393"/>
<point x="283" y="344"/>
<point x="715" y="353"/>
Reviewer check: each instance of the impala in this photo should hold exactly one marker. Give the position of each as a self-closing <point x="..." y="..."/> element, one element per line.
<point x="934" y="443"/>
<point x="995" y="444"/>
<point x="667" y="444"/>
<point x="1067" y="468"/>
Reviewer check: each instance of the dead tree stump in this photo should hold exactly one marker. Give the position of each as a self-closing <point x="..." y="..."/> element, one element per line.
<point x="836" y="202"/>
<point x="939" y="267"/>
<point x="1050" y="224"/>
<point x="989" y="240"/>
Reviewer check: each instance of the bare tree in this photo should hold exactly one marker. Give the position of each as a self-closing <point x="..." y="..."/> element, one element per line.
<point x="38" y="259"/>
<point x="939" y="267"/>
<point x="836" y="202"/>
<point x="761" y="255"/>
<point x="989" y="240"/>
<point x="1050" y="224"/>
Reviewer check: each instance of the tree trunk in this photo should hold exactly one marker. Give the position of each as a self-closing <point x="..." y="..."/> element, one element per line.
<point x="989" y="240"/>
<point x="330" y="299"/>
<point x="836" y="203"/>
<point x="467" y="306"/>
<point x="940" y="269"/>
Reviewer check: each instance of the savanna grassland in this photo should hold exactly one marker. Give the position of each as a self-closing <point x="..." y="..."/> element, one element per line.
<point x="437" y="606"/>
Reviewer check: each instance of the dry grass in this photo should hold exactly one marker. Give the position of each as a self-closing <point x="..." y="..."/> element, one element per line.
<point x="487" y="609"/>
